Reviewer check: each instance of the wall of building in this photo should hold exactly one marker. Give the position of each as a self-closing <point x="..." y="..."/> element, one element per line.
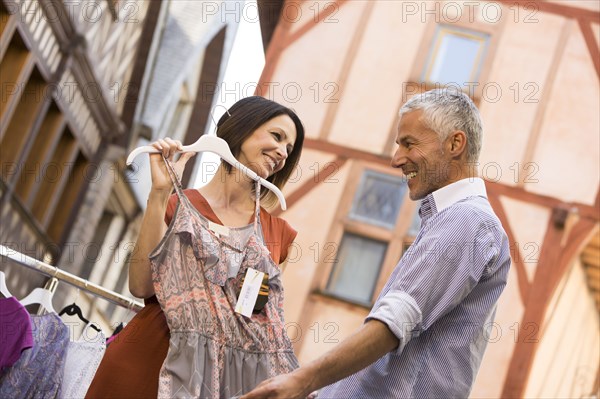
<point x="537" y="93"/>
<point x="566" y="364"/>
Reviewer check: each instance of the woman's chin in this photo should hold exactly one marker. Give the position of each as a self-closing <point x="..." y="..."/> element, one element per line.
<point x="263" y="172"/>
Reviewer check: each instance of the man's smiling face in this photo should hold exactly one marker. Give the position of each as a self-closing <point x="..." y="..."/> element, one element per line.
<point x="421" y="156"/>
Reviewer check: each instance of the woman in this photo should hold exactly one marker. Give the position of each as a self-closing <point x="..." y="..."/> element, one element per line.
<point x="266" y="137"/>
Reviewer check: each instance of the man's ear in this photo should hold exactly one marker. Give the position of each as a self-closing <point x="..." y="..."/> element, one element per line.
<point x="457" y="143"/>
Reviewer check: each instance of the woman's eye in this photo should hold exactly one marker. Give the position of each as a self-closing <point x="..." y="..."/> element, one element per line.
<point x="276" y="135"/>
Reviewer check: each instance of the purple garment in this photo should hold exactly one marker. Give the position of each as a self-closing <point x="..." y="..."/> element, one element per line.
<point x="15" y="331"/>
<point x="38" y="373"/>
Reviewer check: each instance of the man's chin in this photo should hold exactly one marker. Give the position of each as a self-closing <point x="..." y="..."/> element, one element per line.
<point x="415" y="195"/>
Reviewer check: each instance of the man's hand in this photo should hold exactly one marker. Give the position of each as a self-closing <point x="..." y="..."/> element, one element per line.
<point x="285" y="386"/>
<point x="370" y="342"/>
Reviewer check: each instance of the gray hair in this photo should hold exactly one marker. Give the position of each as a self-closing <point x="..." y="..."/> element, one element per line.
<point x="448" y="110"/>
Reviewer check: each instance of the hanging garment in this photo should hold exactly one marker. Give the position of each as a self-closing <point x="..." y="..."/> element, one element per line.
<point x="82" y="361"/>
<point x="115" y="333"/>
<point x="213" y="351"/>
<point x="128" y="369"/>
<point x="15" y="331"/>
<point x="38" y="372"/>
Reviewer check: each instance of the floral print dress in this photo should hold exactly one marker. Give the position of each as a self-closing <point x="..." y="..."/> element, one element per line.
<point x="197" y="274"/>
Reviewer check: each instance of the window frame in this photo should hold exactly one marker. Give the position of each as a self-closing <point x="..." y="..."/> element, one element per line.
<point x="363" y="219"/>
<point x="494" y="30"/>
<point x="444" y="30"/>
<point x="343" y="223"/>
<point x="329" y="291"/>
<point x="414" y="84"/>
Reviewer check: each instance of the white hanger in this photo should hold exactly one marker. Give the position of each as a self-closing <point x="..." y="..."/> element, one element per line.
<point x="3" y="288"/>
<point x="42" y="296"/>
<point x="218" y="146"/>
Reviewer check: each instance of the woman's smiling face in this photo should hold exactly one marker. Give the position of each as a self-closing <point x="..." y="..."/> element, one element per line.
<point x="267" y="148"/>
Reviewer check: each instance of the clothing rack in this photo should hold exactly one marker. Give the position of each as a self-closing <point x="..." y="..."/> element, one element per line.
<point x="75" y="281"/>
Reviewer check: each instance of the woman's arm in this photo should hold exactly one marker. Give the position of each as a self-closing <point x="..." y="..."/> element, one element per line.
<point x="151" y="232"/>
<point x="153" y="226"/>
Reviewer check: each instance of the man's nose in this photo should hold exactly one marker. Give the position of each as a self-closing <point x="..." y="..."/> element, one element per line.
<point x="398" y="160"/>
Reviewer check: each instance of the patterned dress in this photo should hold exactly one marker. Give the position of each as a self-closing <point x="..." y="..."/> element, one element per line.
<point x="213" y="351"/>
<point x="38" y="372"/>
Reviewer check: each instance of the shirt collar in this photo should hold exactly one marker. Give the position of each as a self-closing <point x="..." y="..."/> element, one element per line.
<point x="448" y="195"/>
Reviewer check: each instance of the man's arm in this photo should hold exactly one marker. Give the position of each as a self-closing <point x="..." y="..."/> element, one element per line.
<point x="366" y="345"/>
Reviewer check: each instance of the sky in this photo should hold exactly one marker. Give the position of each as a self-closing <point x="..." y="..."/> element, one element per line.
<point x="245" y="65"/>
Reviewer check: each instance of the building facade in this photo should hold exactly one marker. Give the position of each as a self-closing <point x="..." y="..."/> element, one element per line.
<point x="66" y="115"/>
<point x="532" y="68"/>
<point x="83" y="83"/>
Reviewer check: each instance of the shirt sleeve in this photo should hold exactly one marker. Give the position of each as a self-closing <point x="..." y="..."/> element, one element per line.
<point x="436" y="273"/>
<point x="288" y="235"/>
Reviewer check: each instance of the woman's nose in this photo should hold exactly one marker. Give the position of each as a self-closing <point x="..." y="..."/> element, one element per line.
<point x="282" y="152"/>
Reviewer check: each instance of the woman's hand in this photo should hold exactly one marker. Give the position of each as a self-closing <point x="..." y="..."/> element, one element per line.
<point x="161" y="182"/>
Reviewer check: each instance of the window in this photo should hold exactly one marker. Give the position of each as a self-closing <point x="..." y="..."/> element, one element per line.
<point x="378" y="199"/>
<point x="356" y="268"/>
<point x="368" y="237"/>
<point x="93" y="248"/>
<point x="41" y="156"/>
<point x="456" y="56"/>
<point x="119" y="287"/>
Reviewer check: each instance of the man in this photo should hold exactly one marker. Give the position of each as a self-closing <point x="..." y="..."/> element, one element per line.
<point x="426" y="333"/>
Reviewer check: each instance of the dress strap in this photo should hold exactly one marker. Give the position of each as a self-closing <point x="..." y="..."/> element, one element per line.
<point x="175" y="180"/>
<point x="257" y="207"/>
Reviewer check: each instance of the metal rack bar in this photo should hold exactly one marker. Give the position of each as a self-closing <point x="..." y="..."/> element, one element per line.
<point x="75" y="281"/>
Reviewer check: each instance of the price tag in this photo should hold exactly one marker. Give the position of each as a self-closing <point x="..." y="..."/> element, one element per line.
<point x="249" y="293"/>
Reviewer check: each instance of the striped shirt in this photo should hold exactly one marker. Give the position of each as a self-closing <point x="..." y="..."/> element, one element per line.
<point x="439" y="301"/>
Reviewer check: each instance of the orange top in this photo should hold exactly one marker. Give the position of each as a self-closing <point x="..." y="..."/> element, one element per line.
<point x="131" y="363"/>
